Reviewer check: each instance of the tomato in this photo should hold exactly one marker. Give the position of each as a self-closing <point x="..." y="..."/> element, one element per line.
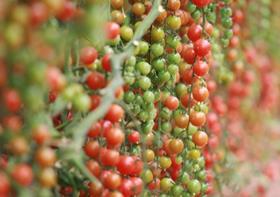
<point x="106" y="63"/>
<point x="4" y="185"/>
<point x="171" y="102"/>
<point x="197" y="118"/>
<point x="176" y="146"/>
<point x="45" y="157"/>
<point x="173" y="5"/>
<point x="38" y="13"/>
<point x="92" y="149"/>
<point x="12" y="100"/>
<point x="115" y="113"/>
<point x="157" y="34"/>
<point x="162" y="16"/>
<point x="200" y="68"/>
<point x="147" y="176"/>
<point x="22" y="174"/>
<point x="117" y="16"/>
<point x="187" y="76"/>
<point x="88" y="55"/>
<point x="165" y="184"/>
<point x="112" y="30"/>
<point x="126" y="33"/>
<point x="134" y="137"/>
<point x="137" y="185"/>
<point x="165" y="162"/>
<point x="96" y="80"/>
<point x="95" y="101"/>
<point x="95" y="130"/>
<point x="112" y="181"/>
<point x="201" y="3"/>
<point x="109" y="157"/>
<point x="126" y="187"/>
<point x="173" y="22"/>
<point x="125" y="165"/>
<point x="200" y="138"/>
<point x="200" y="94"/>
<point x="68" y="11"/>
<point x="94" y="167"/>
<point x="48" y="177"/>
<point x="95" y="188"/>
<point x="202" y="47"/>
<point x="18" y="146"/>
<point x="114" y="137"/>
<point x="117" y="4"/>
<point x="149" y="155"/>
<point x="138" y="9"/>
<point x="194" y="186"/>
<point x="154" y="184"/>
<point x="194" y="32"/>
<point x="138" y="166"/>
<point x="182" y="121"/>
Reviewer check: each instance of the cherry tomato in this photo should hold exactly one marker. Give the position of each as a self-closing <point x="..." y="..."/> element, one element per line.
<point x="22" y="174"/>
<point x="12" y="100"/>
<point x="134" y="137"/>
<point x="171" y="102"/>
<point x="200" y="94"/>
<point x="197" y="118"/>
<point x="176" y="146"/>
<point x="109" y="157"/>
<point x="202" y="47"/>
<point x="94" y="167"/>
<point x="200" y="138"/>
<point x="200" y="68"/>
<point x="194" y="32"/>
<point x="96" y="80"/>
<point x="4" y="185"/>
<point x="45" y="157"/>
<point x="112" y="30"/>
<point x="92" y="149"/>
<point x="114" y="137"/>
<point x="115" y="113"/>
<point x="112" y="181"/>
<point x="88" y="55"/>
<point x="201" y="3"/>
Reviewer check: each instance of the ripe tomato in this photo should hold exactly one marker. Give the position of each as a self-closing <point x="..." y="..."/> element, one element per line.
<point x="106" y="63"/>
<point x="200" y="94"/>
<point x="117" y="4"/>
<point x="48" y="177"/>
<point x="88" y="55"/>
<point x="38" y="13"/>
<point x="112" y="181"/>
<point x="96" y="80"/>
<point x="202" y="47"/>
<point x="114" y="137"/>
<point x="45" y="157"/>
<point x="22" y="174"/>
<point x="194" y="32"/>
<point x="200" y="138"/>
<point x="126" y="187"/>
<point x="68" y="11"/>
<point x="200" y="68"/>
<point x="134" y="137"/>
<point x="95" y="188"/>
<point x="201" y="3"/>
<point x="126" y="165"/>
<point x="187" y="76"/>
<point x="95" y="130"/>
<point x="109" y="157"/>
<point x="171" y="102"/>
<point x="197" y="118"/>
<point x="94" y="167"/>
<point x="137" y="185"/>
<point x="115" y="113"/>
<point x="112" y="30"/>
<point x="12" y="100"/>
<point x="188" y="54"/>
<point x="92" y="149"/>
<point x="18" y="146"/>
<point x="4" y="185"/>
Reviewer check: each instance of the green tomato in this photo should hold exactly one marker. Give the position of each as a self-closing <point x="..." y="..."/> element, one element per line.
<point x="173" y="22"/>
<point x="194" y="186"/>
<point x="157" y="34"/>
<point x="82" y="102"/>
<point x="164" y="76"/>
<point x="158" y="64"/>
<point x="174" y="58"/>
<point x="177" y="190"/>
<point x="157" y="49"/>
<point x="165" y="162"/>
<point x="173" y="69"/>
<point x="143" y="48"/>
<point x="126" y="33"/>
<point x="166" y="184"/>
<point x="129" y="97"/>
<point x="147" y="176"/>
<point x="149" y="97"/>
<point x="145" y="83"/>
<point x="143" y="67"/>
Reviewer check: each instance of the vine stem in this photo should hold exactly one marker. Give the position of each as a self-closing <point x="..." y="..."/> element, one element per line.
<point x="79" y="131"/>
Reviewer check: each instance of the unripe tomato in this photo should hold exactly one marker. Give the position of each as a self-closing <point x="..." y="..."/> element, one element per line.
<point x="48" y="177"/>
<point x="182" y="121"/>
<point x="200" y="94"/>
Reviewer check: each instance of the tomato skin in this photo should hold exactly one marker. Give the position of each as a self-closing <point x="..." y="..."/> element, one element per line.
<point x="125" y="165"/>
<point x="194" y="32"/>
<point x="202" y="47"/>
<point x="88" y="55"/>
<point x="45" y="157"/>
<point x="95" y="188"/>
<point x="200" y="138"/>
<point x="126" y="188"/>
<point x="201" y="3"/>
<point x="109" y="157"/>
<point x="68" y="11"/>
<point x="96" y="80"/>
<point x="176" y="146"/>
<point x="106" y="63"/>
<point x="95" y="130"/>
<point x="114" y="137"/>
<point x="92" y="149"/>
<point x="182" y="121"/>
<point x="112" y="181"/>
<point x="134" y="137"/>
<point x="4" y="185"/>
<point x="22" y="174"/>
<point x="200" y="68"/>
<point x="171" y="102"/>
<point x="137" y="185"/>
<point x="112" y="30"/>
<point x="12" y="100"/>
<point x="115" y="113"/>
<point x="187" y="76"/>
<point x="48" y="177"/>
<point x="197" y="118"/>
<point x="94" y="167"/>
<point x="117" y="4"/>
<point x="200" y="94"/>
<point x="188" y="54"/>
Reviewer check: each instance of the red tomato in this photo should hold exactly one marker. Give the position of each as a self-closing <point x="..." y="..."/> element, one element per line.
<point x="115" y="113"/>
<point x="200" y="68"/>
<point x="134" y="137"/>
<point x="96" y="80"/>
<point x="137" y="185"/>
<point x="12" y="100"/>
<point x="194" y="32"/>
<point x="94" y="167"/>
<point x="92" y="149"/>
<point x="4" y="185"/>
<point x="126" y="165"/>
<point x="106" y="63"/>
<point x="38" y="13"/>
<point x="41" y="134"/>
<point x="22" y="174"/>
<point x="200" y="138"/>
<point x="197" y="118"/>
<point x="88" y="55"/>
<point x="126" y="188"/>
<point x="202" y="47"/>
<point x="171" y="102"/>
<point x="200" y="93"/>
<point x="188" y="54"/>
<point x="68" y="11"/>
<point x="187" y="76"/>
<point x="201" y="3"/>
<point x="95" y="130"/>
<point x="112" y="181"/>
<point x="109" y="157"/>
<point x="112" y="30"/>
<point x="114" y="137"/>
